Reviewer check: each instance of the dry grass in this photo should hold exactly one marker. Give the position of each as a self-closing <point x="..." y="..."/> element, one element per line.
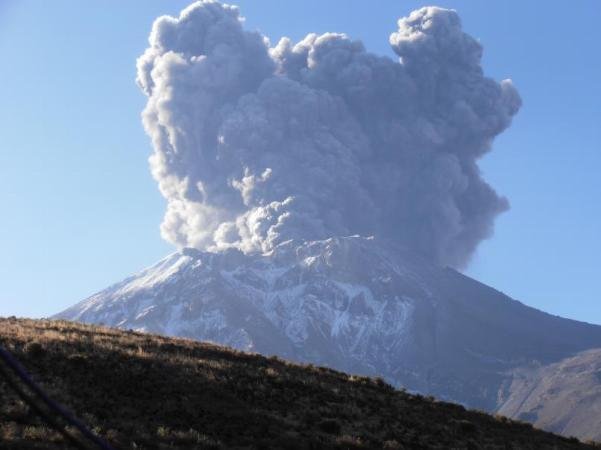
<point x="150" y="392"/>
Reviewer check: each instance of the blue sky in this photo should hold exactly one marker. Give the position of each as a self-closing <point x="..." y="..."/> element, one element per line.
<point x="80" y="210"/>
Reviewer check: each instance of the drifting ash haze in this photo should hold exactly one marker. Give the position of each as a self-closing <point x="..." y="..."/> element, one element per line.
<point x="256" y="145"/>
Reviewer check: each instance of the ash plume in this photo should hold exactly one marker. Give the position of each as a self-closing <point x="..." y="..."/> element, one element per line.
<point x="255" y="145"/>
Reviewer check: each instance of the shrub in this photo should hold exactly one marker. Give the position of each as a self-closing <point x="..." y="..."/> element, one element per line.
<point x="39" y="433"/>
<point x="329" y="426"/>
<point x="348" y="442"/>
<point x="465" y="426"/>
<point x="34" y="349"/>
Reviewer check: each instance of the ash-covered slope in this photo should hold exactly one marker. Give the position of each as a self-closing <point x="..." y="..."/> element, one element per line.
<point x="357" y="304"/>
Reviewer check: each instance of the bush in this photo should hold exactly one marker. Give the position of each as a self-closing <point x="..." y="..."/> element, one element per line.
<point x="329" y="426"/>
<point x="465" y="426"/>
<point x="34" y="349"/>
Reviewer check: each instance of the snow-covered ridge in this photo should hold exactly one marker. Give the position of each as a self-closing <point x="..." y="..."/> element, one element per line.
<point x="300" y="289"/>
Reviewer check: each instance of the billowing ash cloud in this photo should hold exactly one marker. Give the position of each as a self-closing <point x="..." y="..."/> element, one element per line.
<point x="255" y="145"/>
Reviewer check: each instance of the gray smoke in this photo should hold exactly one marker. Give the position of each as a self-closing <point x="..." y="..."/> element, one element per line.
<point x="255" y="145"/>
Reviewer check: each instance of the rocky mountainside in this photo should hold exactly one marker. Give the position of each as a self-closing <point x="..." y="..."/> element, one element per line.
<point x="356" y="304"/>
<point x="564" y="397"/>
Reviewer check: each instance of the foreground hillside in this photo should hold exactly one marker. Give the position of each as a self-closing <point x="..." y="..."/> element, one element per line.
<point x="144" y="391"/>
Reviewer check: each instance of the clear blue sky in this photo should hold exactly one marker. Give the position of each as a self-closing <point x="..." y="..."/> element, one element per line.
<point x="80" y="210"/>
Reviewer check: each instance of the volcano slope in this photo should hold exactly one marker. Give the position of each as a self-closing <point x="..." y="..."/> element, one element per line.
<point x="150" y="392"/>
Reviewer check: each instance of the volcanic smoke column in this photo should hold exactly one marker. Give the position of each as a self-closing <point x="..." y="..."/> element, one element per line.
<point x="255" y="145"/>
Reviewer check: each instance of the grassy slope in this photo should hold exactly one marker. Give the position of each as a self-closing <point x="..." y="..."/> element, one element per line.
<point x="173" y="393"/>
